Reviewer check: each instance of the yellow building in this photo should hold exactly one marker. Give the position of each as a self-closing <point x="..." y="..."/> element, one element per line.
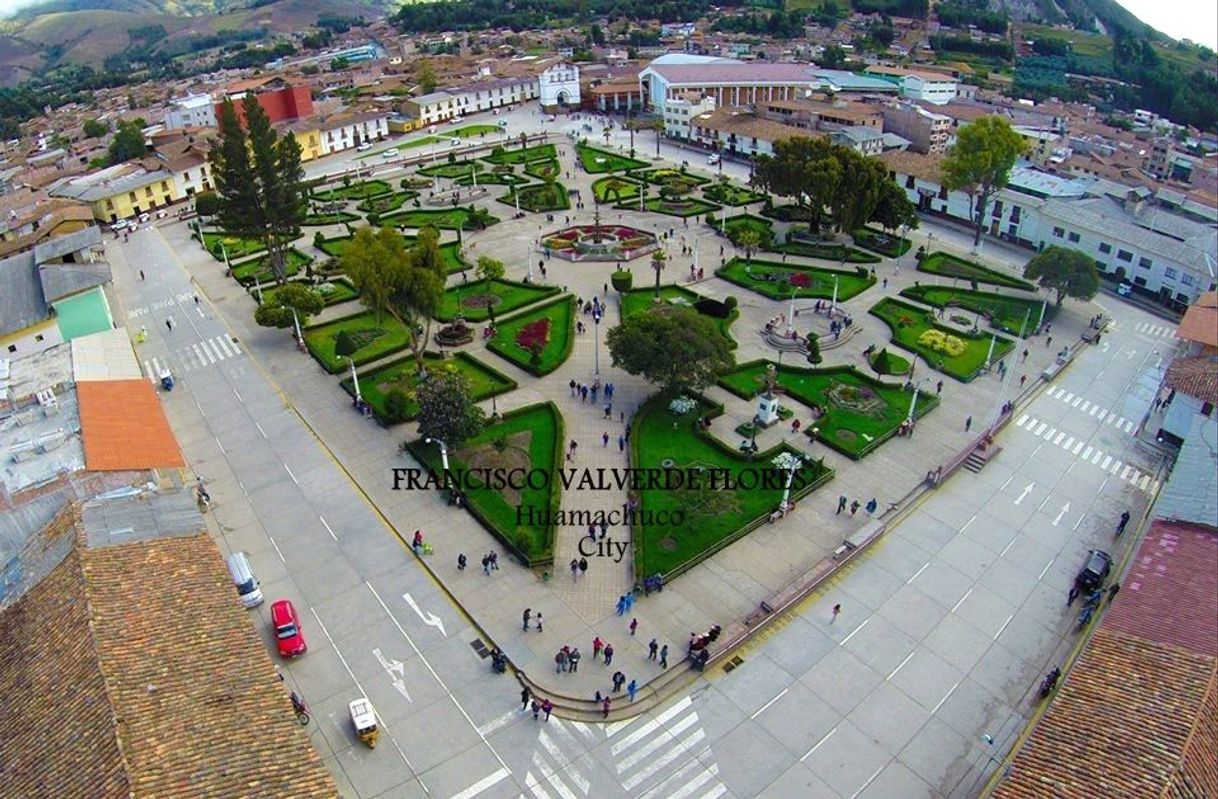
<point x="122" y="191"/>
<point x="308" y="136"/>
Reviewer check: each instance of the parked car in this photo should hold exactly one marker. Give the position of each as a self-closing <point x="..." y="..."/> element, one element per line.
<point x="288" y="636"/>
<point x="713" y="158"/>
<point x="1094" y="572"/>
<point x="1125" y="289"/>
<point x="363" y="148"/>
<point x="392" y="152"/>
<point x="455" y="142"/>
<point x="243" y="578"/>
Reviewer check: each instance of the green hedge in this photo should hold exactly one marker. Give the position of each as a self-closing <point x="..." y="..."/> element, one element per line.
<point x="513" y="296"/>
<point x="320" y="339"/>
<point x="561" y="313"/>
<point x="908" y="322"/>
<point x="610" y="161"/>
<point x="878" y="241"/>
<point x="485" y="381"/>
<point x="749" y="275"/>
<point x="949" y="266"/>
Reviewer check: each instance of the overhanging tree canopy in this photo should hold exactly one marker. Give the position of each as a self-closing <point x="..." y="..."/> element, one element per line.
<point x="1068" y="272"/>
<point x="674" y="348"/>
<point x="980" y="163"/>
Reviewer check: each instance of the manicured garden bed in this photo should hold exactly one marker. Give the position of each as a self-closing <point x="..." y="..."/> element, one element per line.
<point x="402" y="373"/>
<point x="1015" y="315"/>
<point x="235" y="246"/>
<point x="530" y="438"/>
<point x="761" y="226"/>
<point x="642" y="299"/>
<point x="446" y="219"/>
<point x="258" y="270"/>
<point x="596" y="161"/>
<point x="955" y="353"/>
<point x="678" y="528"/>
<point x="663" y="175"/>
<point x="457" y="169"/>
<point x="552" y="323"/>
<point x="539" y="197"/>
<point x="548" y="168"/>
<point x="514" y="155"/>
<point x="826" y="252"/>
<point x="949" y="266"/>
<point x="492" y="179"/>
<point x="686" y="206"/>
<point x="318" y="220"/>
<point x="377" y="339"/>
<point x="356" y="191"/>
<point x="787" y="213"/>
<point x="385" y="203"/>
<point x="469" y="131"/>
<point x="860" y="412"/>
<point x="728" y="194"/>
<point x="614" y="189"/>
<point x="776" y="280"/>
<point x="450" y="251"/>
<point x="470" y="300"/>
<point x="332" y="292"/>
<point x="878" y="241"/>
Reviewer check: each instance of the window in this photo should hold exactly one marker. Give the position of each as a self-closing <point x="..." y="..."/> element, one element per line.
<point x="1015" y="211"/>
<point x="1058" y="233"/>
<point x="1139" y="281"/>
<point x="1100" y="265"/>
<point x="1124" y="255"/>
<point x="1145" y="262"/>
<point x="1188" y="279"/>
<point x="186" y="175"/>
<point x="909" y="182"/>
<point x="1170" y="274"/>
<point x="131" y="196"/>
<point x="1072" y="237"/>
<point x="942" y="192"/>
<point x="12" y="347"/>
<point x="147" y="191"/>
<point x="997" y="209"/>
<point x="164" y="185"/>
<point x="1105" y="247"/>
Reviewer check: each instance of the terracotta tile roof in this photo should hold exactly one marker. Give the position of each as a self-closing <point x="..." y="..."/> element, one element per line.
<point x="1137" y="714"/>
<point x="743" y="123"/>
<point x="124" y="427"/>
<point x="114" y="690"/>
<point x="907" y="162"/>
<point x="1195" y="376"/>
<point x="1200" y="322"/>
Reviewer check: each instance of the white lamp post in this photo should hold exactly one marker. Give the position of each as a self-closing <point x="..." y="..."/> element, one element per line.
<point x="596" y="328"/>
<point x="833" y="304"/>
<point x="355" y="379"/>
<point x="295" y="324"/>
<point x="789" y="463"/>
<point x="443" y="458"/>
<point x="1041" y="321"/>
<point x="914" y="401"/>
<point x="791" y="311"/>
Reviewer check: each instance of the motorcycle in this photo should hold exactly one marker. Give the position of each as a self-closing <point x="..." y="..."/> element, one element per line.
<point x="498" y="662"/>
<point x="1049" y="683"/>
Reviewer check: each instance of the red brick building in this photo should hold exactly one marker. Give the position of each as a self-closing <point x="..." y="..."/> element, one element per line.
<point x="282" y="101"/>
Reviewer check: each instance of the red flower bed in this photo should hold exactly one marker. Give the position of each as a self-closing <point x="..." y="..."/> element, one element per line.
<point x="800" y="280"/>
<point x="534" y="335"/>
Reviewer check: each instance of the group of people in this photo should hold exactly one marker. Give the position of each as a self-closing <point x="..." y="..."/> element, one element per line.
<point x="843" y="501"/>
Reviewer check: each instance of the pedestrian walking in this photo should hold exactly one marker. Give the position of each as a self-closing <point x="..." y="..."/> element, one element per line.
<point x="583" y="566"/>
<point x="1072" y="595"/>
<point x="572" y="384"/>
<point x="597" y="646"/>
<point x="885" y="282"/>
<point x="1022" y="379"/>
<point x="418" y="542"/>
<point x="621" y="443"/>
<point x="196" y="299"/>
<point x="536" y="709"/>
<point x="573" y="659"/>
<point x="608" y="654"/>
<point x="608" y="415"/>
<point x="528" y="614"/>
<point x="841" y="504"/>
<point x="494" y="556"/>
<point x="664" y="656"/>
<point x="169" y="324"/>
<point x="939" y="388"/>
<point x="854" y="507"/>
<point x="486" y="564"/>
<point x="1112" y="591"/>
<point x="1049" y="342"/>
<point x="1025" y="353"/>
<point x="629" y="600"/>
<point x="574" y="569"/>
<point x="539" y="621"/>
<point x="634" y="625"/>
<point x="605" y="439"/>
<point x="547" y="706"/>
<point x="141" y="274"/>
<point x="632" y="689"/>
<point x="621" y="604"/>
<point x="968" y="423"/>
<point x="461" y="561"/>
<point x="524" y="699"/>
<point x="619" y="680"/>
<point x="837" y="611"/>
<point x="604" y="530"/>
<point x="560" y="661"/>
<point x="871" y="506"/>
<point x="605" y="708"/>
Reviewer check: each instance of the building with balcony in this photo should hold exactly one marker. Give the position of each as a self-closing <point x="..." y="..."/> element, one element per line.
<point x="558" y="87"/>
<point x="192" y="111"/>
<point x="926" y="131"/>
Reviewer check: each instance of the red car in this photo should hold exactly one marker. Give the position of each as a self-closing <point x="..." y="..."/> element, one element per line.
<point x="287" y="629"/>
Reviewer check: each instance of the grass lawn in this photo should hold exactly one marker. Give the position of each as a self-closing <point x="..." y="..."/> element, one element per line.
<point x="909" y="323"/>
<point x="235" y="246"/>
<point x="469" y="131"/>
<point x="658" y="177"/>
<point x="827" y="252"/>
<point x="686" y="206"/>
<point x="450" y="251"/>
<point x="386" y="202"/>
<point x="560" y="317"/>
<point x="457" y="169"/>
<point x="727" y="194"/>
<point x="714" y="516"/>
<point x="949" y="266"/>
<point x="528" y="438"/>
<point x="643" y="299"/>
<point x="356" y="191"/>
<point x="407" y="145"/>
<point x="442" y="219"/>
<point x="469" y="300"/>
<point x="258" y="270"/>
<point x="614" y="189"/>
<point x="884" y="243"/>
<point x="772" y="279"/>
<point x="1015" y="315"/>
<point x="333" y="291"/>
<point x="377" y="340"/>
<point x="860" y="412"/>
<point x="492" y="179"/>
<point x="596" y="161"/>
<point x="318" y="220"/>
<point x="402" y="374"/>
<point x="512" y="154"/>
<point x="543" y="169"/>
<point x="539" y="197"/>
<point x="763" y="226"/>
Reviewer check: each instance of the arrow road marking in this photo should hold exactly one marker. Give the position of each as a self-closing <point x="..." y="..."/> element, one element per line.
<point x="429" y="618"/>
<point x="397" y="670"/>
<point x="1027" y="490"/>
<point x="1065" y="509"/>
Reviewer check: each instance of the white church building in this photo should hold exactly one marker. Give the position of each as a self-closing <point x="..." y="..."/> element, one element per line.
<point x="558" y="87"/>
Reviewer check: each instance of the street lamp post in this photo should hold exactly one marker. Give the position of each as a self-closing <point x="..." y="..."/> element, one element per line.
<point x="791" y="314"/>
<point x="914" y="401"/>
<point x="443" y="458"/>
<point x="833" y="304"/>
<point x="789" y="463"/>
<point x="596" y="331"/>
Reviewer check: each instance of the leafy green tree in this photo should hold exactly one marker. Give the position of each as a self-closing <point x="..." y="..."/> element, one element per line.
<point x="834" y="57"/>
<point x="446" y="408"/>
<point x="489" y="269"/>
<point x="425" y="76"/>
<point x="804" y="169"/>
<point x="894" y="209"/>
<point x="277" y="311"/>
<point x="418" y="290"/>
<point x="259" y="179"/>
<point x="207" y="203"/>
<point x="858" y="192"/>
<point x="746" y="238"/>
<point x="814" y="356"/>
<point x="1068" y="272"/>
<point x="128" y="142"/>
<point x="94" y="128"/>
<point x="658" y="257"/>
<point x="339" y="64"/>
<point x="374" y="261"/>
<point x="980" y="163"/>
<point x="675" y="348"/>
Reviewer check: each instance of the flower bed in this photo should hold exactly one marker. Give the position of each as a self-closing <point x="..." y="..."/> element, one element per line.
<point x="956" y="354"/>
<point x="543" y="169"/>
<point x="664" y="176"/>
<point x="776" y="280"/>
<point x="538" y="198"/>
<point x="614" y="189"/>
<point x="472" y="301"/>
<point x="603" y="243"/>
<point x="826" y="252"/>
<point x="450" y="251"/>
<point x="642" y="299"/>
<point x="1018" y="316"/>
<point x="596" y="161"/>
<point x="727" y="194"/>
<point x="949" y="266"/>
<point x="446" y="219"/>
<point x="356" y="191"/>
<point x="258" y="270"/>
<point x="549" y="325"/>
<point x="686" y="206"/>
<point x="318" y="220"/>
<point x="457" y="169"/>
<point x="384" y="203"/>
<point x="235" y="246"/>
<point x="332" y="292"/>
<point x="514" y="155"/>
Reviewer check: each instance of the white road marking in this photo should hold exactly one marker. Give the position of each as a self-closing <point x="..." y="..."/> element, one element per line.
<point x="900" y="666"/>
<point x="1069" y="441"/>
<point x="828" y="735"/>
<point x="1077" y="400"/>
<point x="1087" y="454"/>
<point x="956" y="606"/>
<point x="1086" y="405"/>
<point x="289" y="471"/>
<point x="1045" y="570"/>
<point x="499" y="722"/>
<point x="1004" y="626"/>
<point x="645" y="751"/>
<point x="870" y="780"/>
<point x="919" y="571"/>
<point x="1058" y="438"/>
<point x="327" y="526"/>
<point x="1040" y="429"/>
<point x="272" y="540"/>
<point x="1107" y="460"/>
<point x="950" y="691"/>
<point x="564" y="762"/>
<point x="855" y="631"/>
<point x="766" y="706"/>
<point x="482" y="784"/>
<point x="260" y="430"/>
<point x="646" y="729"/>
<point x="1078" y="446"/>
<point x="690" y="777"/>
<point x="681" y="749"/>
<point x="966" y="524"/>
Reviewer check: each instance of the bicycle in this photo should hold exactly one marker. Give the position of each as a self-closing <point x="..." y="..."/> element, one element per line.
<point x="302" y="710"/>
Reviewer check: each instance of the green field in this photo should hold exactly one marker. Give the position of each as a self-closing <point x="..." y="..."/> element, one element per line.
<point x="762" y="226"/>
<point x="402" y="373"/>
<point x="530" y="438"/>
<point x="826" y="252"/>
<point x="539" y="197"/>
<point x="712" y="516"/>
<point x="491" y="179"/>
<point x="908" y="323"/>
<point x="615" y="189"/>
<point x="729" y="194"/>
<point x="319" y="220"/>
<point x="684" y="207"/>
<point x="860" y="412"/>
<point x="332" y="292"/>
<point x="643" y="299"/>
<point x="356" y="191"/>
<point x="663" y="175"/>
<point x="235" y="246"/>
<point x="560" y="314"/>
<point x="514" y="155"/>
<point x="469" y="300"/>
<point x="377" y="339"/>
<point x="596" y="161"/>
<point x="258" y="270"/>
<point x="441" y="219"/>
<point x="1018" y="316"/>
<point x="772" y="279"/>
<point x="949" y="266"/>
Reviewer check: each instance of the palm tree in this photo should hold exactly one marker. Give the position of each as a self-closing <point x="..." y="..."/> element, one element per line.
<point x="657" y="263"/>
<point x="658" y="126"/>
<point x="749" y="240"/>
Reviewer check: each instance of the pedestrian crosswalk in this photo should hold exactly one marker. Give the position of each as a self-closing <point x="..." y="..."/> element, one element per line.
<point x="207" y="352"/>
<point x="1087" y="453"/>
<point x="1093" y="409"/>
<point x="1151" y="329"/>
<point x="666" y="756"/>
<point x="554" y="771"/>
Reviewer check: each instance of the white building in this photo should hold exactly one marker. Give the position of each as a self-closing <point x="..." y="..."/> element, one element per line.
<point x="558" y="86"/>
<point x="929" y="87"/>
<point x="678" y="113"/>
<point x="192" y="111"/>
<point x="344" y="131"/>
<point x="457" y="101"/>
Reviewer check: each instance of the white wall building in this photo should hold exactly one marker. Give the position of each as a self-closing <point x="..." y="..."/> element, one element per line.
<point x="192" y="111"/>
<point x="454" y="102"/>
<point x="344" y="131"/>
<point x="929" y="87"/>
<point x="558" y="86"/>
<point x="679" y="112"/>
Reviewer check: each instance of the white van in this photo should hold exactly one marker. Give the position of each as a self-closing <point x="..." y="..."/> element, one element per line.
<point x="392" y="152"/>
<point x="243" y="577"/>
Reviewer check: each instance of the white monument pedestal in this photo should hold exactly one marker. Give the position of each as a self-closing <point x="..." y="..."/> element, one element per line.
<point x="767" y="410"/>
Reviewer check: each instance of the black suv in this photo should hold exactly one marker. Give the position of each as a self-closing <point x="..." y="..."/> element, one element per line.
<point x="1094" y="572"/>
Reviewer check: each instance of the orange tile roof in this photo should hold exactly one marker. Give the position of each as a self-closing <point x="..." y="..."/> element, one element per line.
<point x="1196" y="376"/>
<point x="1200" y="322"/>
<point x="124" y="427"/>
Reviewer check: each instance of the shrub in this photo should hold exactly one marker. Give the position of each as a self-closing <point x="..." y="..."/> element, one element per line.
<point x="319" y="239"/>
<point x="939" y="341"/>
<point x="731" y="302"/>
<point x="710" y="307"/>
<point x="622" y="280"/>
<point x="397" y="406"/>
<point x="814" y="356"/>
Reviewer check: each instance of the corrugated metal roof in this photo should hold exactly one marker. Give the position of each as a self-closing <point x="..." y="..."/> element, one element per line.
<point x="21" y="301"/>
<point x="104" y="356"/>
<point x="1191" y="492"/>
